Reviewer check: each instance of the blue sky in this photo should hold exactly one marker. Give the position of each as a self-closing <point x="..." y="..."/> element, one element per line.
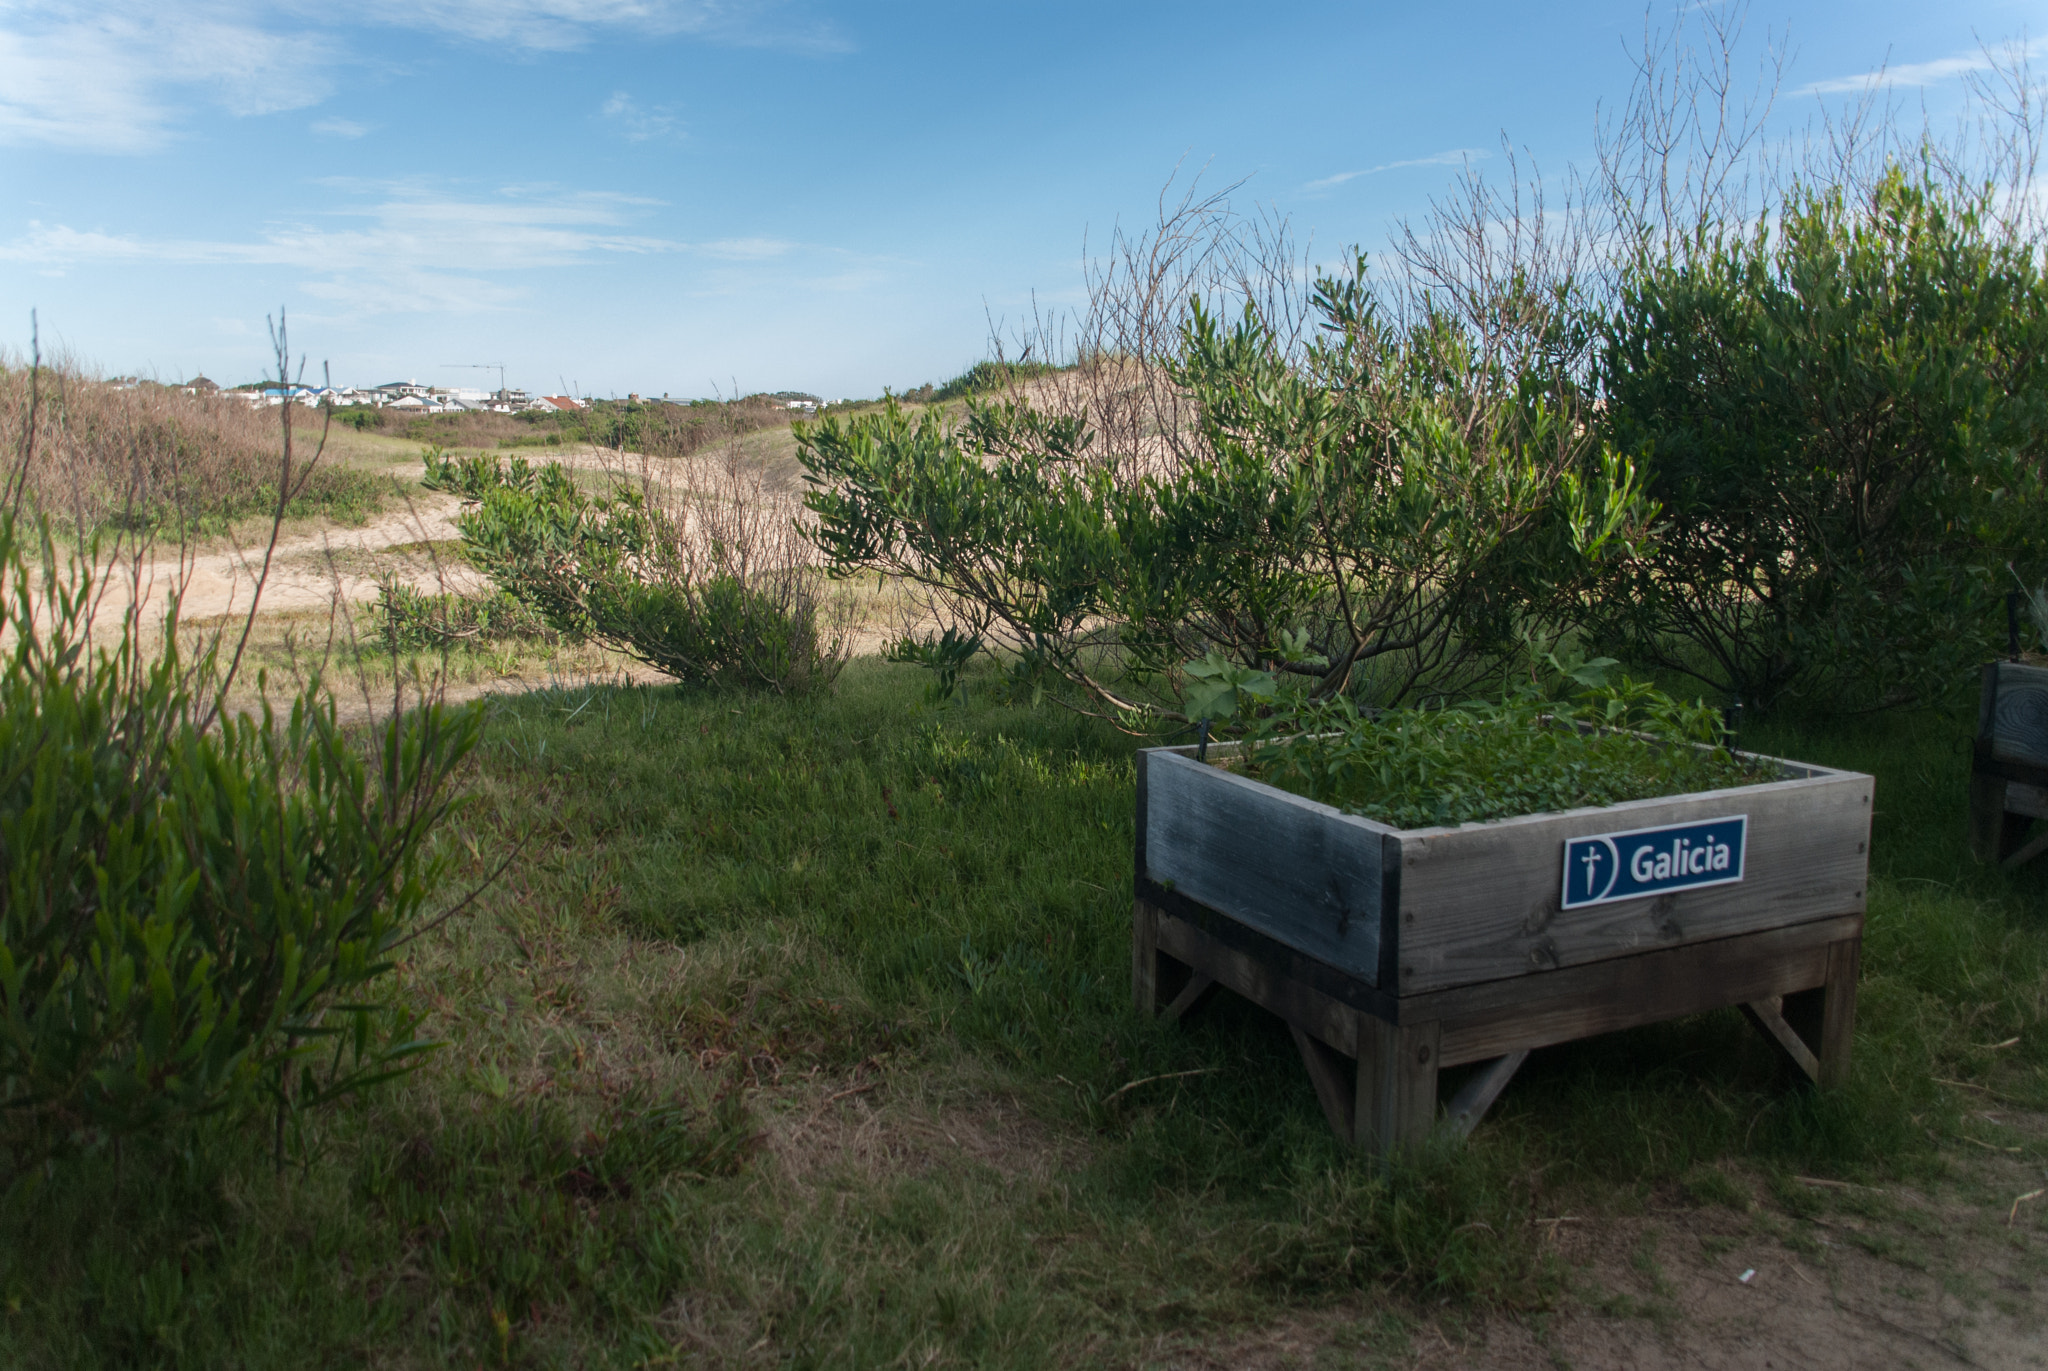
<point x="692" y="196"/>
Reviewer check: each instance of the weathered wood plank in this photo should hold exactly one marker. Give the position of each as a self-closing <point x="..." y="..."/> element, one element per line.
<point x="1768" y="1018"/>
<point x="1283" y="960"/>
<point x="1192" y="994"/>
<point x="2015" y="716"/>
<point x="1328" y="1019"/>
<point x="1144" y="958"/>
<point x="1488" y="1020"/>
<point x="1304" y="873"/>
<point x="1397" y="1069"/>
<point x="1481" y="902"/>
<point x="1477" y="1095"/>
<point x="2029" y="852"/>
<point x="1838" y="1011"/>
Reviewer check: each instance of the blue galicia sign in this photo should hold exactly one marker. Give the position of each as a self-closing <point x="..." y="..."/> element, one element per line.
<point x="1605" y="867"/>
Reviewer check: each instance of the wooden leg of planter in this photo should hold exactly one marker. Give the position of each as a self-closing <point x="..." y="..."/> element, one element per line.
<point x="2027" y="852"/>
<point x="1161" y="983"/>
<point x="1987" y="816"/>
<point x="1396" y="1093"/>
<point x="1192" y="996"/>
<point x="1823" y="1019"/>
<point x="1470" y="1104"/>
<point x="1145" y="958"/>
<point x="1838" y="1011"/>
<point x="1768" y="1018"/>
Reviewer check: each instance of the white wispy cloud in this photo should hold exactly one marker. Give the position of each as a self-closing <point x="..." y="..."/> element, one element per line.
<point x="405" y="232"/>
<point x="124" y="76"/>
<point x="1450" y="158"/>
<point x="1918" y="74"/>
<point x="357" y="296"/>
<point x="339" y="128"/>
<point x="117" y="77"/>
<point x="747" y="249"/>
<point x="408" y="249"/>
<point x="638" y="123"/>
<point x="555" y="25"/>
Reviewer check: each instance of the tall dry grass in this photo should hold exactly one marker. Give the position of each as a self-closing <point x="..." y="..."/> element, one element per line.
<point x="153" y="458"/>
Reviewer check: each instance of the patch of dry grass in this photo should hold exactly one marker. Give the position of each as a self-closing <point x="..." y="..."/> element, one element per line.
<point x="150" y="456"/>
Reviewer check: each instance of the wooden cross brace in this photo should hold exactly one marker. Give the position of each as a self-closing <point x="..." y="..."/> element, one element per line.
<point x="1377" y="1079"/>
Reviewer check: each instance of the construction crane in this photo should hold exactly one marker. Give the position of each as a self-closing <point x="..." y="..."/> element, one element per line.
<point x="498" y="367"/>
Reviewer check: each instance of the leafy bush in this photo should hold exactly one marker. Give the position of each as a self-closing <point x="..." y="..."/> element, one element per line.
<point x="705" y="583"/>
<point x="407" y="619"/>
<point x="1842" y="413"/>
<point x="197" y="908"/>
<point x="1489" y="759"/>
<point x="1396" y="497"/>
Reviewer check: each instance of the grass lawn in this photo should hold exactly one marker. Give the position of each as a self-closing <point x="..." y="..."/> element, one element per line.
<point x="797" y="1033"/>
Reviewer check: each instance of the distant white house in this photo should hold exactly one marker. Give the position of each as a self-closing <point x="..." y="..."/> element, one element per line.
<point x="427" y="404"/>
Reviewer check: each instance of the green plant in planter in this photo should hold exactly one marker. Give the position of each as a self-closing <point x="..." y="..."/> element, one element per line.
<point x="1524" y="753"/>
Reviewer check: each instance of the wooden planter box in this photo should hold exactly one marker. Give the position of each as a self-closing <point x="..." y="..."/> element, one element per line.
<point x="2009" y="767"/>
<point x="1395" y="953"/>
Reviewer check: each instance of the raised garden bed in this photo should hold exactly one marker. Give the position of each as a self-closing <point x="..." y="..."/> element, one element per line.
<point x="1394" y="953"/>
<point x="2009" y="767"/>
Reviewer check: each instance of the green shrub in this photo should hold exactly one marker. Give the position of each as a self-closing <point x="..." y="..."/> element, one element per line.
<point x="1400" y="496"/>
<point x="197" y="908"/>
<point x="2035" y="602"/>
<point x="696" y="584"/>
<point x="1842" y="411"/>
<point x="716" y="629"/>
<point x="989" y="376"/>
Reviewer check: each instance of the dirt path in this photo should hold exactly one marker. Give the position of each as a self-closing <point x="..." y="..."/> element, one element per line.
<point x="309" y="571"/>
